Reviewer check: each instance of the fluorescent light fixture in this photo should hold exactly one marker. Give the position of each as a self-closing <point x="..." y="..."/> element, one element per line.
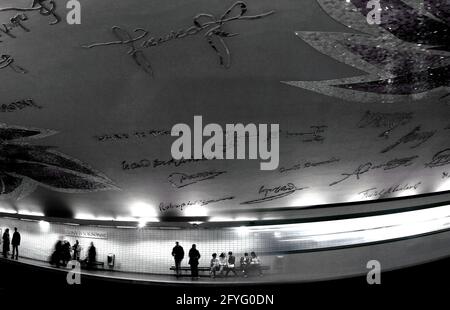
<point x="125" y="219"/>
<point x="104" y="218"/>
<point x="31" y="213"/>
<point x="230" y="219"/>
<point x="308" y="199"/>
<point x="92" y="217"/>
<point x="9" y="211"/>
<point x="142" y="209"/>
<point x="196" y="223"/>
<point x="44" y="226"/>
<point x="444" y="186"/>
<point x="84" y="216"/>
<point x="142" y="223"/>
<point x="271" y="218"/>
<point x="196" y="211"/>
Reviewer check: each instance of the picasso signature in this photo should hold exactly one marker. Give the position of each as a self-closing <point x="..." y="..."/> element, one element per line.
<point x="41" y="6"/>
<point x="210" y="26"/>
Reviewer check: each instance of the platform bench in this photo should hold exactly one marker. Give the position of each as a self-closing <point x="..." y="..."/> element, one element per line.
<point x="188" y="269"/>
<point x="208" y="269"/>
<point x="96" y="265"/>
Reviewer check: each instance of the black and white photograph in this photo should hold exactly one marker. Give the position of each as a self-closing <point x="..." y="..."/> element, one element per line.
<point x="223" y="153"/>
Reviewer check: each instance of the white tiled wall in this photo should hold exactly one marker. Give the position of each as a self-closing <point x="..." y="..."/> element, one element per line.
<point x="149" y="251"/>
<point x="138" y="250"/>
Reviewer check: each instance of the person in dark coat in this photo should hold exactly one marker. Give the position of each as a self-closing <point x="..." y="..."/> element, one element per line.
<point x="6" y="243"/>
<point x="57" y="254"/>
<point x="92" y="254"/>
<point x="15" y="242"/>
<point x="194" y="257"/>
<point x="66" y="252"/>
<point x="178" y="255"/>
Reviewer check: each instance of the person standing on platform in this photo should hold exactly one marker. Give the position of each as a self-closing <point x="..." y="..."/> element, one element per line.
<point x="6" y="243"/>
<point x="92" y="255"/>
<point x="57" y="254"/>
<point x="178" y="255"/>
<point x="194" y="257"/>
<point x="66" y="252"/>
<point x="76" y="251"/>
<point x="15" y="242"/>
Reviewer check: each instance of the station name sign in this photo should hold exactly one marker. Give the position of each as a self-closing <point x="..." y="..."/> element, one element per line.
<point x="86" y="234"/>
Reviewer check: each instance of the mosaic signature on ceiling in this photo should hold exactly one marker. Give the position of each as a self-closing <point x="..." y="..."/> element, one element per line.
<point x="45" y="8"/>
<point x="24" y="166"/>
<point x="7" y="61"/>
<point x="407" y="54"/>
<point x="210" y="26"/>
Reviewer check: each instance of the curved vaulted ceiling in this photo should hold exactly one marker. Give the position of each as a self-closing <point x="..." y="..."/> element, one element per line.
<point x="86" y="110"/>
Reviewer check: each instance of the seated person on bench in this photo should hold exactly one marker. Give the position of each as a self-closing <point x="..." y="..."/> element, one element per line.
<point x="222" y="263"/>
<point x="231" y="264"/>
<point x="245" y="262"/>
<point x="214" y="265"/>
<point x="255" y="264"/>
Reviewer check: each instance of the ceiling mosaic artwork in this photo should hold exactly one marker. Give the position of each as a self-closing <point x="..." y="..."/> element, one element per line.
<point x="87" y="110"/>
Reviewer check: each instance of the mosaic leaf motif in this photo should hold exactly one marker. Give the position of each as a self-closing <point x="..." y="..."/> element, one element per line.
<point x="23" y="166"/>
<point x="406" y="56"/>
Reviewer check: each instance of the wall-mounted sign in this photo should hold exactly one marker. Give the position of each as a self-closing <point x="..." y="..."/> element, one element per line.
<point x="86" y="234"/>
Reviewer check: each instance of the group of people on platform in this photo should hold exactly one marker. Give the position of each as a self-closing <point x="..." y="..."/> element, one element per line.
<point x="222" y="265"/>
<point x="247" y="264"/>
<point x="64" y="252"/>
<point x="7" y="242"/>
